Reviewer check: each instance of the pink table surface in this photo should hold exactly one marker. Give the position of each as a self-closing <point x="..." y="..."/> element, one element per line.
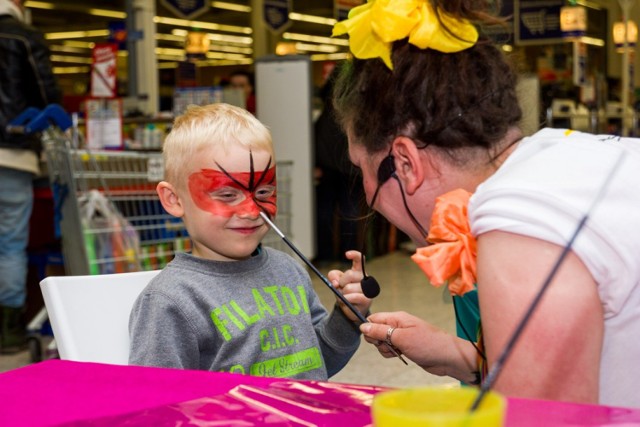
<point x="59" y="392"/>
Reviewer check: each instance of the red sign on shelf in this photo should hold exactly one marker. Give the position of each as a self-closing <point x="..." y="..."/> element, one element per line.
<point x="103" y="70"/>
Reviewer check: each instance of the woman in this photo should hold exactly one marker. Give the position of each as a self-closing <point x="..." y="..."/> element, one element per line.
<point x="430" y="103"/>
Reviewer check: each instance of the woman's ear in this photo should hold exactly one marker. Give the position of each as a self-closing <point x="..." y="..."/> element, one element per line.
<point x="169" y="198"/>
<point x="409" y="163"/>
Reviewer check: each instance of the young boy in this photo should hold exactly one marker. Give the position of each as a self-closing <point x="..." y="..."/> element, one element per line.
<point x="231" y="304"/>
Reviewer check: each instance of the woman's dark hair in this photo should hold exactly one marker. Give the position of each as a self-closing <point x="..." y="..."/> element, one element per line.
<point x="448" y="100"/>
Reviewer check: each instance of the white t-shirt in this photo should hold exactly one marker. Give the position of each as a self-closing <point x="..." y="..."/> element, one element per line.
<point x="543" y="190"/>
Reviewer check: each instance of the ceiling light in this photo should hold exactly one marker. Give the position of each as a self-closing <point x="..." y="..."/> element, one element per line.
<point x="315" y="39"/>
<point x="71" y="70"/>
<point x="169" y="51"/>
<point x="306" y="47"/>
<point x="38" y="5"/>
<point x="68" y="49"/>
<point x="76" y="34"/>
<point x="312" y="18"/>
<point x="78" y="44"/>
<point x="231" y="49"/>
<point x="202" y="25"/>
<point x="230" y="6"/>
<point x="330" y="56"/>
<point x="218" y="37"/>
<point x="218" y="62"/>
<point x="107" y="13"/>
<point x="73" y="59"/>
<point x="592" y="41"/>
<point x="220" y="55"/>
<point x="171" y="37"/>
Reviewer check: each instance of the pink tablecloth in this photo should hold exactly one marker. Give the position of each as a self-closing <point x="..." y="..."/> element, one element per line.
<point x="62" y="392"/>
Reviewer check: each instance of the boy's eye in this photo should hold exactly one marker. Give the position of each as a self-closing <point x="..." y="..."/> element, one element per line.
<point x="226" y="195"/>
<point x="265" y="192"/>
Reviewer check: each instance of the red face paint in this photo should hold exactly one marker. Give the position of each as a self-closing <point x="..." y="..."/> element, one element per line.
<point x="240" y="193"/>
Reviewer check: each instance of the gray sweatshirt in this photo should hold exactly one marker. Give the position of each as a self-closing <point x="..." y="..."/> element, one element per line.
<point x="258" y="316"/>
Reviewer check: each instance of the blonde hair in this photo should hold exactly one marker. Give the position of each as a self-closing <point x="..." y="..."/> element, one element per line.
<point x="216" y="125"/>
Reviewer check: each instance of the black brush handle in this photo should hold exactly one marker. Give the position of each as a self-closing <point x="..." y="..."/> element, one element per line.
<point x="324" y="279"/>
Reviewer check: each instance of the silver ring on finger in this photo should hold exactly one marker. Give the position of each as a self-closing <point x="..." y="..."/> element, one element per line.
<point x="388" y="339"/>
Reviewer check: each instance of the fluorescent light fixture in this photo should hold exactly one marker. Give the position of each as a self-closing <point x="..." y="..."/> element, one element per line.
<point x="230" y="6"/>
<point x="39" y="5"/>
<point x="218" y="37"/>
<point x="592" y="41"/>
<point x="225" y="43"/>
<point x="315" y="39"/>
<point x="171" y="37"/>
<point x="78" y="44"/>
<point x="107" y="13"/>
<point x="330" y="56"/>
<point x="68" y="49"/>
<point x="312" y="19"/>
<point x="220" y="55"/>
<point x="231" y="39"/>
<point x="231" y="49"/>
<point x="306" y="47"/>
<point x="219" y="62"/>
<point x="169" y="51"/>
<point x="76" y="34"/>
<point x="202" y="25"/>
<point x="72" y="59"/>
<point x="179" y="58"/>
<point x="91" y="11"/>
<point x="71" y="70"/>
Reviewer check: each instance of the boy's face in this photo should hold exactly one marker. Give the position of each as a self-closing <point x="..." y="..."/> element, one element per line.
<point x="226" y="192"/>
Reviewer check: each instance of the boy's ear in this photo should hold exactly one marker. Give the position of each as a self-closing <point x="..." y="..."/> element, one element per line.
<point x="169" y="198"/>
<point x="409" y="164"/>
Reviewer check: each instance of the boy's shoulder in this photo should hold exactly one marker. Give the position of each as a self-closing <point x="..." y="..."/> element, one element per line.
<point x="276" y="256"/>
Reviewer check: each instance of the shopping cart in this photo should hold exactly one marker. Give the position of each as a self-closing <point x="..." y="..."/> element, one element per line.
<point x="127" y="179"/>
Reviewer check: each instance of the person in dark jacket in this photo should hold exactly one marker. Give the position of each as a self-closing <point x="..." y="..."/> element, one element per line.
<point x="338" y="188"/>
<point x="26" y="80"/>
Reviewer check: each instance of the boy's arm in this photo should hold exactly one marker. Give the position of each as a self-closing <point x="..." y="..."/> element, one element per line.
<point x="160" y="335"/>
<point x="338" y="336"/>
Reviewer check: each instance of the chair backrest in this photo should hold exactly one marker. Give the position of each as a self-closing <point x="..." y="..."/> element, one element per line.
<point x="89" y="315"/>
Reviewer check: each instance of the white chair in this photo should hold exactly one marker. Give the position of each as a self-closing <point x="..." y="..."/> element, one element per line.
<point x="89" y="315"/>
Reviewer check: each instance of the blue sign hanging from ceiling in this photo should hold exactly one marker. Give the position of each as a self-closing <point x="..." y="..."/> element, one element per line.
<point x="187" y="9"/>
<point x="276" y="14"/>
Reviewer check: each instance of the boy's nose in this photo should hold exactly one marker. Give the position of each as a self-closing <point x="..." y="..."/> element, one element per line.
<point x="249" y="209"/>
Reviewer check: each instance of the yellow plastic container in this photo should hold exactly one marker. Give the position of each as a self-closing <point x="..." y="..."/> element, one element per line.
<point x="437" y="406"/>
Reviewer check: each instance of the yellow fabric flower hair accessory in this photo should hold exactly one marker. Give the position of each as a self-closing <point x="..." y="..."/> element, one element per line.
<point x="373" y="26"/>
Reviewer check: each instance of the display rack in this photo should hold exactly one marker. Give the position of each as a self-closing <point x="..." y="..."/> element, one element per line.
<point x="127" y="179"/>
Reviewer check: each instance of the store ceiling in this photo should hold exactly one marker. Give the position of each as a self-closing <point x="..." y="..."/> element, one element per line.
<point x="228" y="45"/>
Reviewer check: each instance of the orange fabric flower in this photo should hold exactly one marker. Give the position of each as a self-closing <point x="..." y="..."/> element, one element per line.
<point x="452" y="255"/>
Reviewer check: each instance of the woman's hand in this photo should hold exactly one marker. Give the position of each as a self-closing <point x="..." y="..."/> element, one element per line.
<point x="348" y="283"/>
<point x="433" y="349"/>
